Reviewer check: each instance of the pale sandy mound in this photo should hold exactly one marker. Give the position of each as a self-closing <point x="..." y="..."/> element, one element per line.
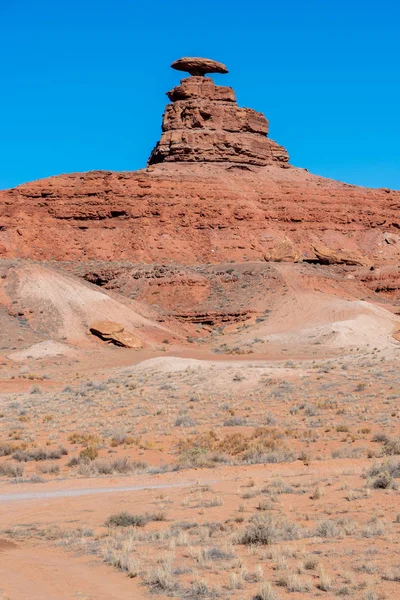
<point x="45" y="349"/>
<point x="172" y="364"/>
<point x="313" y="311"/>
<point x="62" y="306"/>
<point x="329" y="322"/>
<point x="213" y="376"/>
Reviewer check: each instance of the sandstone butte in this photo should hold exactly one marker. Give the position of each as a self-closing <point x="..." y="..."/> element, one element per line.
<point x="216" y="188"/>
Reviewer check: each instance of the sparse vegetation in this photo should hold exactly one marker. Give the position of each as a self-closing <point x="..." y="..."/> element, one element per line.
<point x="266" y="530"/>
<point x="11" y="469"/>
<point x="250" y="532"/>
<point x="39" y="454"/>
<point x="125" y="519"/>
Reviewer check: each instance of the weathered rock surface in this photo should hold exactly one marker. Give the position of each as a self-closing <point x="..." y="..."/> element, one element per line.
<point x="384" y="280"/>
<point x="198" y="66"/>
<point x="215" y="191"/>
<point x="195" y="213"/>
<point x="330" y="256"/>
<point x="126" y="339"/>
<point x="205" y="124"/>
<point x="105" y="328"/>
<point x="115" y="333"/>
<point x="284" y="251"/>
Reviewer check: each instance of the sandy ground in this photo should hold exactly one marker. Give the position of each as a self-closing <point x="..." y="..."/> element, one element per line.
<point x="29" y="566"/>
<point x="27" y="571"/>
<point x="290" y="416"/>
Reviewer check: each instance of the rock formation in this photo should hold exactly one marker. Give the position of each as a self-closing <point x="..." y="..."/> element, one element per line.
<point x="205" y="124"/>
<point x="206" y="201"/>
<point x="328" y="256"/>
<point x="113" y="332"/>
<point x="198" y="66"/>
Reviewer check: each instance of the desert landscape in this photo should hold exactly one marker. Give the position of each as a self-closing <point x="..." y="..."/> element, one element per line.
<point x="199" y="373"/>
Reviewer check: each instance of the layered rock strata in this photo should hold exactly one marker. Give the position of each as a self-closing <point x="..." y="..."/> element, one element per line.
<point x="204" y="123"/>
<point x="205" y="201"/>
<point x="198" y="212"/>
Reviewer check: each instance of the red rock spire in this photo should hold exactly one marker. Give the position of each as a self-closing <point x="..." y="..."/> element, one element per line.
<point x="203" y="123"/>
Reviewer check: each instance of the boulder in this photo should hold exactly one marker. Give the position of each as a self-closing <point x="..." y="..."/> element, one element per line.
<point x="329" y="256"/>
<point x="284" y="251"/>
<point x="196" y="65"/>
<point x="115" y="333"/>
<point x="105" y="328"/>
<point x="127" y="340"/>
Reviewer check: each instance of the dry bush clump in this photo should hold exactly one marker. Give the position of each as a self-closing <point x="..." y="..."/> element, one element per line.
<point x="349" y="452"/>
<point x="325" y="581"/>
<point x="49" y="469"/>
<point x="264" y="445"/>
<point x="126" y="519"/>
<point x="266" y="592"/>
<point x="310" y="563"/>
<point x="122" y="560"/>
<point x="6" y="449"/>
<point x="85" y="439"/>
<point x="121" y="438"/>
<point x="162" y="579"/>
<point x="122" y="465"/>
<point x="11" y="469"/>
<point x="266" y="530"/>
<point x="336" y="528"/>
<point x="39" y="454"/>
<point x="201" y="589"/>
<point x="391" y="446"/>
<point x="293" y="583"/>
<point x="382" y="475"/>
<point x="89" y="453"/>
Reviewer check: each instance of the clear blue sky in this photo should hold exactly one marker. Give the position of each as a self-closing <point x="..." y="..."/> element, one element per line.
<point x="83" y="82"/>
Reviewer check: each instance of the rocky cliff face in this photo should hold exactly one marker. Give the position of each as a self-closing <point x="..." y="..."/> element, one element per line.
<point x="215" y="191"/>
<point x="198" y="212"/>
<point x="204" y="124"/>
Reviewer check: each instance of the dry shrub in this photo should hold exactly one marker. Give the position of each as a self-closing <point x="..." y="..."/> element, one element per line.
<point x="39" y="454"/>
<point x="90" y="452"/>
<point x="267" y="530"/>
<point x="266" y="592"/>
<point x="391" y="446"/>
<point x="335" y="528"/>
<point x="85" y="439"/>
<point x="11" y="469"/>
<point x="201" y="589"/>
<point x="349" y="452"/>
<point x="205" y="449"/>
<point x="6" y="449"/>
<point x="49" y="469"/>
<point x="162" y="579"/>
<point x="123" y="439"/>
<point x="122" y="560"/>
<point x="310" y="563"/>
<point x="325" y="582"/>
<point x="121" y="465"/>
<point x="381" y="475"/>
<point x="293" y="583"/>
<point x="125" y="519"/>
